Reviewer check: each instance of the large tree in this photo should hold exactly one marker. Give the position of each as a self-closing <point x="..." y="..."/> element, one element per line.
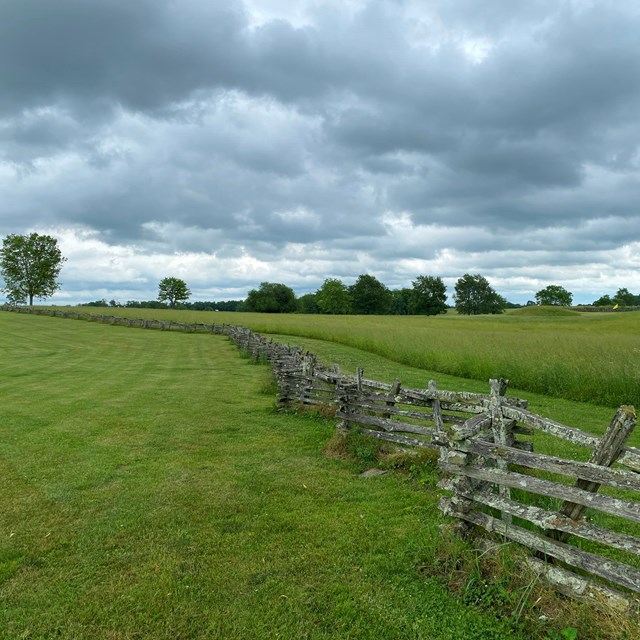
<point x="474" y="295"/>
<point x="369" y="296"/>
<point x="624" y="298"/>
<point x="401" y="302"/>
<point x="308" y="303"/>
<point x="554" y="294"/>
<point x="334" y="297"/>
<point x="173" y="290"/>
<point x="429" y="296"/>
<point x="271" y="297"/>
<point x="30" y="266"/>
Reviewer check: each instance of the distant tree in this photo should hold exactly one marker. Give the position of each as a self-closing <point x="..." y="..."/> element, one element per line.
<point x="369" y="296"/>
<point x="308" y="303"/>
<point x="429" y="296"/>
<point x="30" y="266"/>
<point x="271" y="297"/>
<point x="555" y="295"/>
<point x="603" y="301"/>
<point x="624" y="298"/>
<point x="401" y="302"/>
<point x="198" y="305"/>
<point x="474" y="295"/>
<point x="95" y="303"/>
<point x="229" y="305"/>
<point x="145" y="304"/>
<point x="334" y="297"/>
<point x="173" y="290"/>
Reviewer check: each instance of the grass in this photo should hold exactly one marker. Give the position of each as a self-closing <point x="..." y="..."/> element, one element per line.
<point x="150" y="490"/>
<point x="301" y="546"/>
<point x="586" y="357"/>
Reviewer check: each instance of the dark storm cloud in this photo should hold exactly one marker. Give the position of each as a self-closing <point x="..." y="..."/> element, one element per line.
<point x="395" y="131"/>
<point x="139" y="54"/>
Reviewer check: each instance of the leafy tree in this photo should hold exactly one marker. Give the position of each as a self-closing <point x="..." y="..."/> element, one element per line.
<point x="333" y="297"/>
<point x="369" y="296"/>
<point x="173" y="290"/>
<point x="95" y="303"/>
<point x="30" y="266"/>
<point x="401" y="302"/>
<point x="271" y="297"/>
<point x="554" y="294"/>
<point x="624" y="298"/>
<point x="229" y="305"/>
<point x="474" y="295"/>
<point x="604" y="301"/>
<point x="429" y="296"/>
<point x="145" y="304"/>
<point x="308" y="303"/>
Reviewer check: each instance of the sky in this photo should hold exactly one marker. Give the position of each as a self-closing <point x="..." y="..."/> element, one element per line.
<point x="231" y="142"/>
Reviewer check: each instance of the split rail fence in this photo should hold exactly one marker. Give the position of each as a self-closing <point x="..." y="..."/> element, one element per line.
<point x="491" y="475"/>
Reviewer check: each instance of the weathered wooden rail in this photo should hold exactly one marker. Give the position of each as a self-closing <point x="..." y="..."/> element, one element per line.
<point x="492" y="477"/>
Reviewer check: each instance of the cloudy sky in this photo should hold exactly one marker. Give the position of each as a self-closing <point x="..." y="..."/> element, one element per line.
<point x="229" y="142"/>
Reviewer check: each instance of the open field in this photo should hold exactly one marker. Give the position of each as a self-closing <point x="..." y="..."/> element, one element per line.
<point x="149" y="490"/>
<point x="588" y="357"/>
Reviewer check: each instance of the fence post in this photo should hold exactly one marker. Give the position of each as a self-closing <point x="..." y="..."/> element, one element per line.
<point x="502" y="431"/>
<point x="437" y="411"/>
<point x="452" y="457"/>
<point x="393" y="392"/>
<point x="308" y="369"/>
<point x="346" y="394"/>
<point x="605" y="454"/>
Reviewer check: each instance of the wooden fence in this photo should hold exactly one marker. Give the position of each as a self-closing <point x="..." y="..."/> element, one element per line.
<point x="491" y="475"/>
<point x="495" y="479"/>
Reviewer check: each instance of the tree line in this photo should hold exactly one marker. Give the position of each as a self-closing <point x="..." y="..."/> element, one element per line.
<point x="30" y="265"/>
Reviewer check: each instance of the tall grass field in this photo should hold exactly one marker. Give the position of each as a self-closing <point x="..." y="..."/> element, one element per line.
<point x="587" y="357"/>
<point x="150" y="490"/>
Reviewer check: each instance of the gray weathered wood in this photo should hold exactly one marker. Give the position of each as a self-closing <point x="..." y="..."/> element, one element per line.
<point x="586" y="470"/>
<point x="437" y="408"/>
<point x="614" y="506"/>
<point x="393" y="437"/>
<point x="472" y="427"/>
<point x="604" y="454"/>
<point x="611" y="570"/>
<point x="546" y="519"/>
<point x="386" y="425"/>
<point x="586" y="590"/>
<point x="550" y="426"/>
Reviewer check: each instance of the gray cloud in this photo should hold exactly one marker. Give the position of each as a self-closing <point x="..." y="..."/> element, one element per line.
<point x="306" y="140"/>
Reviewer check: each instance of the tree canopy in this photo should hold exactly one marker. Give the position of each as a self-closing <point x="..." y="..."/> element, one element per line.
<point x="369" y="296"/>
<point x="173" y="290"/>
<point x="333" y="297"/>
<point x="474" y="295"/>
<point x="271" y="297"/>
<point x="308" y="303"/>
<point x="554" y="294"/>
<point x="429" y="296"/>
<point x="30" y="266"/>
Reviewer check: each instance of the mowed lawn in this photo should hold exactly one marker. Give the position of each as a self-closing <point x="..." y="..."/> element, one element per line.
<point x="150" y="490"/>
<point x="585" y="357"/>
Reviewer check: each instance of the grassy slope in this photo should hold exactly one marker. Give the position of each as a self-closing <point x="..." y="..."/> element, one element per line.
<point x="587" y="357"/>
<point x="149" y="490"/>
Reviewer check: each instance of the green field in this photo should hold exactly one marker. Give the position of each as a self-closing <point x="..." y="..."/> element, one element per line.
<point x="150" y="490"/>
<point x="587" y="357"/>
